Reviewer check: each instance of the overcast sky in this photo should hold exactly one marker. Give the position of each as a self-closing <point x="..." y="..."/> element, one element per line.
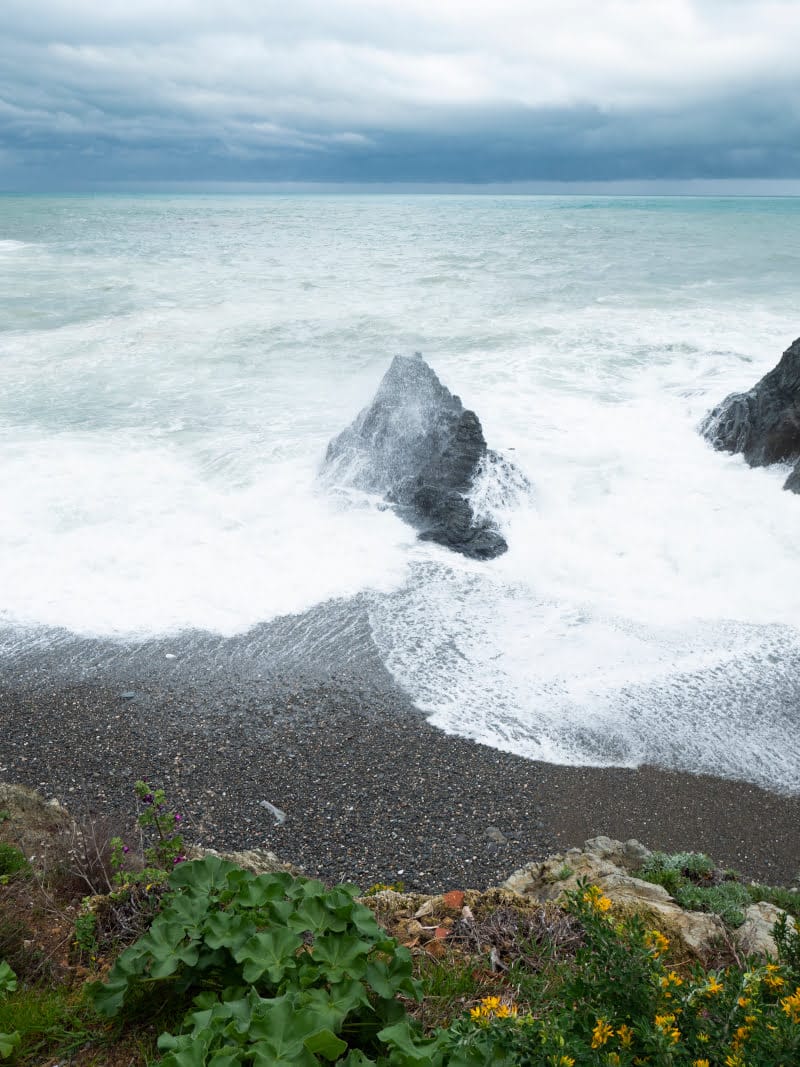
<point x="95" y="91"/>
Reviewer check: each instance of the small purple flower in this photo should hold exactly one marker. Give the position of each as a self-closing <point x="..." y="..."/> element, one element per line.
<point x="147" y="798"/>
<point x="178" y="818"/>
<point x="179" y="859"/>
<point x="125" y="849"/>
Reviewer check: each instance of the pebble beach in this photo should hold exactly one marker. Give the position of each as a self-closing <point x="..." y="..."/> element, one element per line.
<point x="369" y="790"/>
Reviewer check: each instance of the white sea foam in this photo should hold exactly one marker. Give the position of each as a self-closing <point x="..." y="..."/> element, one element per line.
<point x="172" y="371"/>
<point x="119" y="538"/>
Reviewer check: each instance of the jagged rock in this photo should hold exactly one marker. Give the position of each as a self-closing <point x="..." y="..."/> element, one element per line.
<point x="755" y="934"/>
<point x="419" y="447"/>
<point x="764" y="423"/>
<point x="635" y="853"/>
<point x="792" y="483"/>
<point x="607" y="863"/>
<point x="628" y="854"/>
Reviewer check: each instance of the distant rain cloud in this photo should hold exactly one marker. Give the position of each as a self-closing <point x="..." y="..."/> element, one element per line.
<point x="513" y="90"/>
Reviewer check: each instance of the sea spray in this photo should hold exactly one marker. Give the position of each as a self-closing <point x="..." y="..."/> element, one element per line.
<point x="171" y="371"/>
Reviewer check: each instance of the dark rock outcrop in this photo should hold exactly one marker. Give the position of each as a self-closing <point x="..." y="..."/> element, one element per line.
<point x="764" y="423"/>
<point x="419" y="447"/>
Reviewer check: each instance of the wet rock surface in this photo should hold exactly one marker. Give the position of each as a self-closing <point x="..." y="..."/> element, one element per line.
<point x="763" y="424"/>
<point x="418" y="446"/>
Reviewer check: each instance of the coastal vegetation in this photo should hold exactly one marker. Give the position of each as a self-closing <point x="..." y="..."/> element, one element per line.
<point x="697" y="883"/>
<point x="188" y="962"/>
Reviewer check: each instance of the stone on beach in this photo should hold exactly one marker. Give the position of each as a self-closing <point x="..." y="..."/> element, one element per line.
<point x="763" y="424"/>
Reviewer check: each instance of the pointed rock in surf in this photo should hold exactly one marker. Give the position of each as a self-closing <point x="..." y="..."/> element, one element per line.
<point x="764" y="423"/>
<point x="417" y="445"/>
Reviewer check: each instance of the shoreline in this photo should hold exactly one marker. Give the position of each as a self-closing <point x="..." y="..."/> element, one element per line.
<point x="372" y="792"/>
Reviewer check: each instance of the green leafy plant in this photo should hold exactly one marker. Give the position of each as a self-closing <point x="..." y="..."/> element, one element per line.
<point x="8" y="980"/>
<point x="12" y="861"/>
<point x="281" y="971"/>
<point x="674" y="870"/>
<point x="787" y="899"/>
<point x="85" y="940"/>
<point x="787" y="939"/>
<point x="698" y="884"/>
<point x="728" y="900"/>
<point x="8" y="983"/>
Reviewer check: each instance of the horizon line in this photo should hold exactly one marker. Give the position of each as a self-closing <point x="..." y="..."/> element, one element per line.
<point x="651" y="187"/>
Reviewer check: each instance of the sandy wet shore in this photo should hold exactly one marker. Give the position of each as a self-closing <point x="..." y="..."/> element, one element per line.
<point x="371" y="792"/>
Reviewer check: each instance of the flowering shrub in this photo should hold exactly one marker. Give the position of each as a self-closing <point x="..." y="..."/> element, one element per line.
<point x="620" y="1004"/>
<point x="162" y="826"/>
<point x="493" y="1008"/>
<point x="119" y="916"/>
<point x="283" y="971"/>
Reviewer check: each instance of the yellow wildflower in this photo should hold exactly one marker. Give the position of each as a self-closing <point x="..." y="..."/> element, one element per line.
<point x="595" y="898"/>
<point x="601" y="1033"/>
<point x="612" y="1059"/>
<point x="791" y="1005"/>
<point x="656" y="942"/>
<point x="506" y="1011"/>
<point x="700" y="1063"/>
<point x="772" y="968"/>
<point x="666" y="1024"/>
<point x="703" y="1038"/>
<point x="773" y="982"/>
<point x="741" y="1035"/>
<point x="625" y="1035"/>
<point x="492" y="1008"/>
<point x="564" y="1061"/>
<point x="713" y="987"/>
<point x="734" y="1060"/>
<point x="743" y="1002"/>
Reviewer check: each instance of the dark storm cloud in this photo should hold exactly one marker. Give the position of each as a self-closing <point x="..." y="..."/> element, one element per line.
<point x="517" y="90"/>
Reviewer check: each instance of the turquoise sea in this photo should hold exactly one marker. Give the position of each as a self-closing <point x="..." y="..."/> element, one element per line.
<point x="172" y="367"/>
